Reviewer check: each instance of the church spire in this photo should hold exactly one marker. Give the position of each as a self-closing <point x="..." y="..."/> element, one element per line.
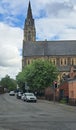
<point x="29" y="26"/>
<point x="29" y="12"/>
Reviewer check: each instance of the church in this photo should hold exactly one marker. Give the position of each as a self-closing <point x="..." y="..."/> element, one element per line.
<point x="62" y="53"/>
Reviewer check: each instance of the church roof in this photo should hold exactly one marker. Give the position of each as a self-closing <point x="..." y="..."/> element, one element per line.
<point x="49" y="48"/>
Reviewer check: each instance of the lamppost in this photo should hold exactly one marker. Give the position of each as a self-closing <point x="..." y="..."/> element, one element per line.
<point x="55" y="86"/>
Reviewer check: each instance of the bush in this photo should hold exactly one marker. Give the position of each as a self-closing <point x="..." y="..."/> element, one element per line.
<point x="64" y="101"/>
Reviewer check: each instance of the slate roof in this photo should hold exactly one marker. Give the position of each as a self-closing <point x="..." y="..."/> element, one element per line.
<point x="49" y="48"/>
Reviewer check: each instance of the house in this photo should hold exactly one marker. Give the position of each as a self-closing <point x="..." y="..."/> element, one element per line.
<point x="67" y="90"/>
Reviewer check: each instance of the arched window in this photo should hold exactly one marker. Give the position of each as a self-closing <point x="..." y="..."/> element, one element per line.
<point x="72" y="61"/>
<point x="61" y="61"/>
<point x="65" y="61"/>
<point x="28" y="62"/>
<point x="54" y="62"/>
<point x="29" y="36"/>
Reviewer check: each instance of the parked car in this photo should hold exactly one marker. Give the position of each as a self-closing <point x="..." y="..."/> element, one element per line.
<point x="19" y="94"/>
<point x="12" y="93"/>
<point x="23" y="97"/>
<point x="29" y="97"/>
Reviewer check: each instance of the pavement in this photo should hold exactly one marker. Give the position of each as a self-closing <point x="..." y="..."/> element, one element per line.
<point x="69" y="107"/>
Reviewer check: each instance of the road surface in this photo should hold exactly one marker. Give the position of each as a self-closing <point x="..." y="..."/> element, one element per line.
<point x="43" y="115"/>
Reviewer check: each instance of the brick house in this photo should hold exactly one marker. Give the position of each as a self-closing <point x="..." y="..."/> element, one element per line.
<point x="67" y="90"/>
<point x="72" y="91"/>
<point x="72" y="73"/>
<point x="63" y="90"/>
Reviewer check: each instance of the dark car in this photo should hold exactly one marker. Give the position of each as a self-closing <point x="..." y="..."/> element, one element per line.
<point x="19" y="94"/>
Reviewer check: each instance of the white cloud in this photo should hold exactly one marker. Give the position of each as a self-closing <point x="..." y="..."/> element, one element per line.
<point x="10" y="36"/>
<point x="15" y="7"/>
<point x="59" y="9"/>
<point x="10" y="44"/>
<point x="64" y="29"/>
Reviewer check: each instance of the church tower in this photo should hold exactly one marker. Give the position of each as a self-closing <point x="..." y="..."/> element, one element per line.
<point x="29" y="26"/>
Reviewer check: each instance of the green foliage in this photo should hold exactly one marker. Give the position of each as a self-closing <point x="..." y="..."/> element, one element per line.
<point x="63" y="101"/>
<point x="20" y="78"/>
<point x="8" y="83"/>
<point x="38" y="75"/>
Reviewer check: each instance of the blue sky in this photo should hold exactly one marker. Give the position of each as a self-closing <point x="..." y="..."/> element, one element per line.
<point x="54" y="20"/>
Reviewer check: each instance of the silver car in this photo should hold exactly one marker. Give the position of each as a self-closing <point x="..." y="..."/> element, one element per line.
<point x="29" y="97"/>
<point x="12" y="93"/>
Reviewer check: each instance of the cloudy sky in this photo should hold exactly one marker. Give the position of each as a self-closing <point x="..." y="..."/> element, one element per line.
<point x="54" y="20"/>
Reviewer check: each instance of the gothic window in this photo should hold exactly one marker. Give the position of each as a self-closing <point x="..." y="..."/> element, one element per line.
<point x="65" y="61"/>
<point x="54" y="62"/>
<point x="61" y="62"/>
<point x="29" y="22"/>
<point x="29" y="36"/>
<point x="72" y="62"/>
<point x="28" y="62"/>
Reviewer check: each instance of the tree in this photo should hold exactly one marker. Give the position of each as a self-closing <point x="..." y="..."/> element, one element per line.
<point x="39" y="74"/>
<point x="8" y="83"/>
<point x="20" y="78"/>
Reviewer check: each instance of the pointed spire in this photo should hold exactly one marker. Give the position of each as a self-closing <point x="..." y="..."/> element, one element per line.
<point x="29" y="13"/>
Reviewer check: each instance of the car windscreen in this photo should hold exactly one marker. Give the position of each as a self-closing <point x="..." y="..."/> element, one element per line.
<point x="29" y="94"/>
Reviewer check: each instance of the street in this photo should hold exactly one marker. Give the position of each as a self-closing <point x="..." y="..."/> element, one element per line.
<point x="43" y="115"/>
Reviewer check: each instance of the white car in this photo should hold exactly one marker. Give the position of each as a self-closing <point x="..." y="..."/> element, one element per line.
<point x="12" y="93"/>
<point x="29" y="97"/>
